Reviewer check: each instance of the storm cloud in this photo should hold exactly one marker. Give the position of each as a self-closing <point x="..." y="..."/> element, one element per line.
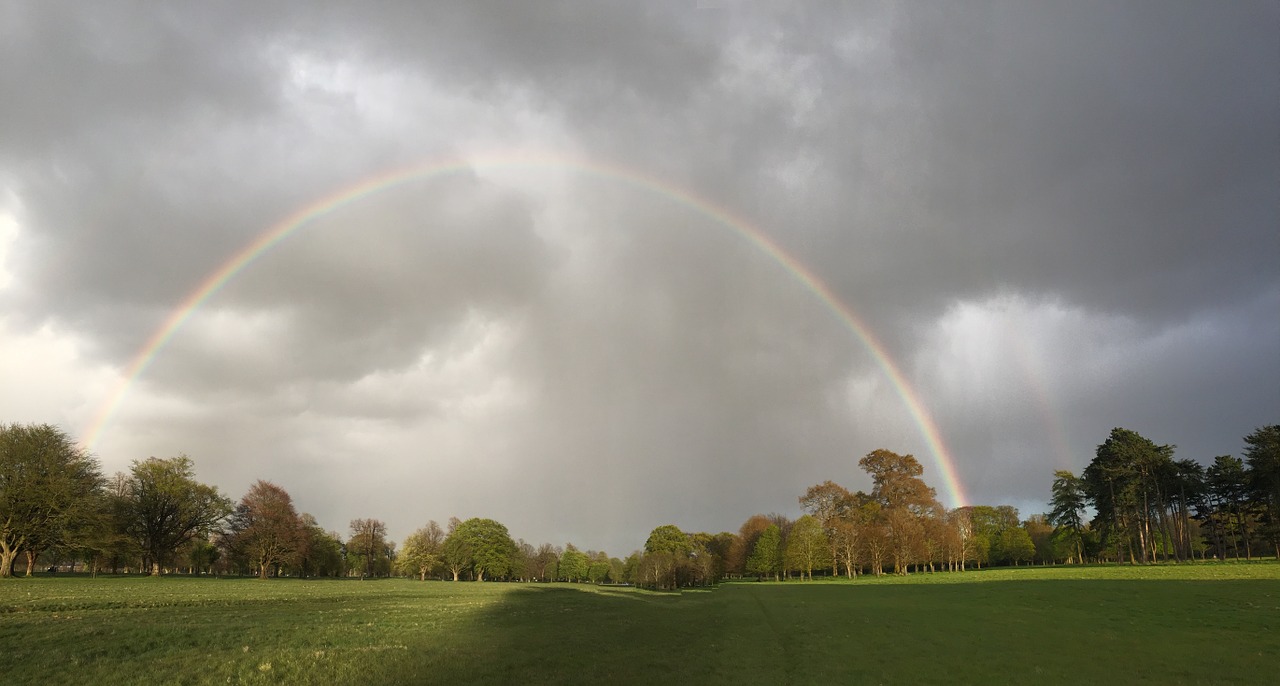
<point x="1055" y="218"/>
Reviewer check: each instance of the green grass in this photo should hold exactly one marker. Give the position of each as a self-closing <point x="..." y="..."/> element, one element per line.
<point x="1203" y="623"/>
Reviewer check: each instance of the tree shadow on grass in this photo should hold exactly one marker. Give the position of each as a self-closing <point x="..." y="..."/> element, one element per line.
<point x="1019" y="631"/>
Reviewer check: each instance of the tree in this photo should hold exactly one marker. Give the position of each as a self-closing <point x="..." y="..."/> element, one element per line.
<point x="1262" y="452"/>
<point x="1067" y="505"/>
<point x="545" y="561"/>
<point x="574" y="564"/>
<point x="1228" y="484"/>
<point x="849" y="528"/>
<point x="322" y="550"/>
<point x="166" y="507"/>
<point x="265" y="529"/>
<point x="1127" y="482"/>
<point x="665" y="549"/>
<point x="904" y="498"/>
<point x="667" y="539"/>
<point x="368" y="542"/>
<point x="1016" y="544"/>
<point x="766" y="558"/>
<point x="422" y="551"/>
<point x="807" y="546"/>
<point x="745" y="542"/>
<point x="456" y="556"/>
<point x="49" y="491"/>
<point x="1048" y="548"/>
<point x="828" y="502"/>
<point x="490" y="546"/>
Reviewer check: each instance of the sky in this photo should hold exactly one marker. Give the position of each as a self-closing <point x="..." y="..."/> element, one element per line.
<point x="590" y="268"/>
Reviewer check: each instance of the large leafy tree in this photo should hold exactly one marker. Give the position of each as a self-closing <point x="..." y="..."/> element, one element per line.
<point x="322" y="553"/>
<point x="265" y="531"/>
<point x="766" y="555"/>
<point x="667" y="538"/>
<point x="574" y="564"/>
<point x="545" y="561"/>
<point x="848" y="531"/>
<point x="490" y="546"/>
<point x="422" y="551"/>
<point x="368" y="545"/>
<point x="1016" y="545"/>
<point x="807" y="547"/>
<point x="1262" y="453"/>
<point x="829" y="502"/>
<point x="165" y="508"/>
<point x="49" y="491"/>
<point x="666" y="549"/>
<point x="905" y="499"/>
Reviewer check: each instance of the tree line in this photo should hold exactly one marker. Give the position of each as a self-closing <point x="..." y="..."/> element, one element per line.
<point x="56" y="506"/>
<point x="1149" y="506"/>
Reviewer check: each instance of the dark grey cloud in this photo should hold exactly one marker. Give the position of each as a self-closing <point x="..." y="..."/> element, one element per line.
<point x="1056" y="218"/>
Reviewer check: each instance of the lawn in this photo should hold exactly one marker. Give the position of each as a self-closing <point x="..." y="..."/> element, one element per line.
<point x="1203" y="623"/>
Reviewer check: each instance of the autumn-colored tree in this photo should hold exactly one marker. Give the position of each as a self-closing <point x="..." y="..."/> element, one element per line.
<point x="829" y="502"/>
<point x="962" y="524"/>
<point x="849" y="528"/>
<point x="904" y="498"/>
<point x="745" y="542"/>
<point x="265" y="529"/>
<point x="937" y="538"/>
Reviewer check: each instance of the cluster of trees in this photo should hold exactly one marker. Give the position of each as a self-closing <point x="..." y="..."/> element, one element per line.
<point x="899" y="526"/>
<point x="54" y="502"/>
<point x="55" y="505"/>
<point x="1150" y="507"/>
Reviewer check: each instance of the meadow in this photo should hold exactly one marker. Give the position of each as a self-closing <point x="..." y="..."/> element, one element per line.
<point x="1198" y="623"/>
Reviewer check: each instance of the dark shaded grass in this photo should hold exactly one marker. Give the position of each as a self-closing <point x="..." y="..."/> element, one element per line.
<point x="1030" y="626"/>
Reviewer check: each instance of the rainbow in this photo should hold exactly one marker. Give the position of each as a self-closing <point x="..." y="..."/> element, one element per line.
<point x="303" y="217"/>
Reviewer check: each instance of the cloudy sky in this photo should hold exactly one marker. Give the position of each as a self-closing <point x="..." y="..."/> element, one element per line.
<point x="1054" y="218"/>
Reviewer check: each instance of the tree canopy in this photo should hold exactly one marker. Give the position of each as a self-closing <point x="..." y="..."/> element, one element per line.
<point x="48" y="489"/>
<point x="166" y="507"/>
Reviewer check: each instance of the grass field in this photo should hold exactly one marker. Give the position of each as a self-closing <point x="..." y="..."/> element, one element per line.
<point x="1170" y="624"/>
